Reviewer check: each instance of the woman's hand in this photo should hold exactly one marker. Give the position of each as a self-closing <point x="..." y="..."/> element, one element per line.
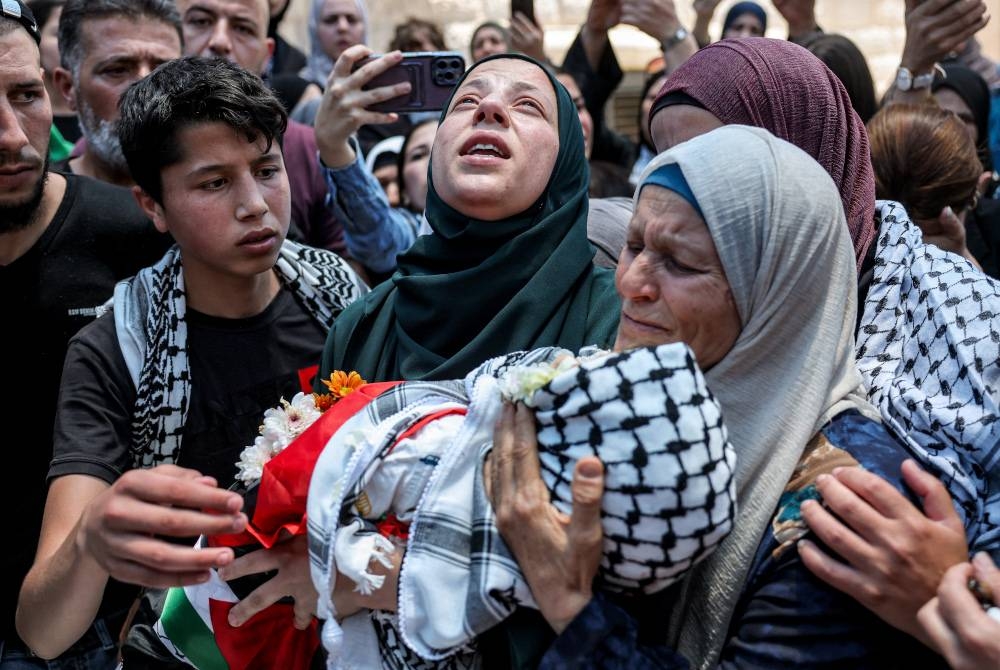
<point x="895" y="554"/>
<point x="955" y="622"/>
<point x="528" y="38"/>
<point x="291" y="560"/>
<point x="800" y="15"/>
<point x="342" y="111"/>
<point x="559" y="556"/>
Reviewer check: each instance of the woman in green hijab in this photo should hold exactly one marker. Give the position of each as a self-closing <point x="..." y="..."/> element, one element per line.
<point x="508" y="266"/>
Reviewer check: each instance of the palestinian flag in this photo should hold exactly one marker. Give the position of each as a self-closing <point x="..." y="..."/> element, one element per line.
<point x="185" y="626"/>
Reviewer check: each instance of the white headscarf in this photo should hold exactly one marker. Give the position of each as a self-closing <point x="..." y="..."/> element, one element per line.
<point x="778" y="224"/>
<point x="318" y="64"/>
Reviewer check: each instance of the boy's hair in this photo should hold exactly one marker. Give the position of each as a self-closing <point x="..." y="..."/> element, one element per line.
<point x="185" y="92"/>
<point x="75" y="12"/>
<point x="407" y="34"/>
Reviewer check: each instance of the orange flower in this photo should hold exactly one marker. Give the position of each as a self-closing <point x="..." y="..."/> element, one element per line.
<point x="324" y="401"/>
<point x="342" y="383"/>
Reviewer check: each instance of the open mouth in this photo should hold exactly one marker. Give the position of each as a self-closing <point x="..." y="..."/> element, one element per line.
<point x="485" y="146"/>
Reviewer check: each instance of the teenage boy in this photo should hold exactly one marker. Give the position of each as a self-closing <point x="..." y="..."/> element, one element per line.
<point x="64" y="243"/>
<point x="160" y="396"/>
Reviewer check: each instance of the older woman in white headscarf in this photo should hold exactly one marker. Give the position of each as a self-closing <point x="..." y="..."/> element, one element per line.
<point x="729" y="257"/>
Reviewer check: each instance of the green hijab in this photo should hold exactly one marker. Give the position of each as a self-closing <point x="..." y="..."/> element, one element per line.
<point x="476" y="289"/>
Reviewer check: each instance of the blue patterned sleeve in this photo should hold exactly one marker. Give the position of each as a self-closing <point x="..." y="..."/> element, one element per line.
<point x="374" y="232"/>
<point x="604" y="636"/>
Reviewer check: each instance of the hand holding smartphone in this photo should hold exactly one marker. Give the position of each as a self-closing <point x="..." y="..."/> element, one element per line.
<point x="432" y="76"/>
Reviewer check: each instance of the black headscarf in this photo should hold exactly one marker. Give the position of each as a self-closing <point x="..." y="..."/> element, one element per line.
<point x="972" y="88"/>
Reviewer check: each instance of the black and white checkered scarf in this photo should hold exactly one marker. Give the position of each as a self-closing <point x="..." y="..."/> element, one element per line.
<point x="150" y="310"/>
<point x="929" y="352"/>
<point x="669" y="495"/>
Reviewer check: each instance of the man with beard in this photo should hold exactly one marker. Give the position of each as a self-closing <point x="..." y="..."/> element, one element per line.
<point x="105" y="46"/>
<point x="64" y="243"/>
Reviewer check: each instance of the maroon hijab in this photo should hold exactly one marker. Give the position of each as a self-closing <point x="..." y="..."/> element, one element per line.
<point x="781" y="87"/>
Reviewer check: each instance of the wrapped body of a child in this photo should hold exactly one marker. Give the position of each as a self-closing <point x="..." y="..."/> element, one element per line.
<point x="415" y="455"/>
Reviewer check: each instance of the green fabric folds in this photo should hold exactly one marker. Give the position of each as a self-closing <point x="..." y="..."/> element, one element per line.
<point x="477" y="289"/>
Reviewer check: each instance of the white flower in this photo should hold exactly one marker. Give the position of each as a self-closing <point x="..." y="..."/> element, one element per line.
<point x="521" y="382"/>
<point x="251" y="464"/>
<point x="281" y="426"/>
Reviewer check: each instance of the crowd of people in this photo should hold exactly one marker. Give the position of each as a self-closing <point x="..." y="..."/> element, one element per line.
<point x="775" y="312"/>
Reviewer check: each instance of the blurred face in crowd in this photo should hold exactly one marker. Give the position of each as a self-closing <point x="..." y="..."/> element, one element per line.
<point x="486" y="42"/>
<point x="340" y="26"/>
<point x="50" y="48"/>
<point x="117" y="51"/>
<point x="672" y="283"/>
<point x="586" y="121"/>
<point x="679" y="123"/>
<point x="232" y="29"/>
<point x="498" y="143"/>
<point x="647" y="104"/>
<point x="416" y="155"/>
<point x="388" y="179"/>
<point x="952" y="102"/>
<point x="25" y="118"/>
<point x="745" y="25"/>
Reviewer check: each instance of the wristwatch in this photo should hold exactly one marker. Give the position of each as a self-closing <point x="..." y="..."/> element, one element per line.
<point x="673" y="40"/>
<point x="905" y="81"/>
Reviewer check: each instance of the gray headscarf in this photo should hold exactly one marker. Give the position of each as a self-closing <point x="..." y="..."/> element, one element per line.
<point x="318" y="64"/>
<point x="778" y="224"/>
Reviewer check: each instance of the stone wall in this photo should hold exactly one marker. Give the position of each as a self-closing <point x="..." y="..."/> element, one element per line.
<point x="876" y="26"/>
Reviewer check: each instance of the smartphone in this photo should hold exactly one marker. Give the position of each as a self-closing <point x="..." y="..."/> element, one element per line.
<point x="432" y="76"/>
<point x="526" y="7"/>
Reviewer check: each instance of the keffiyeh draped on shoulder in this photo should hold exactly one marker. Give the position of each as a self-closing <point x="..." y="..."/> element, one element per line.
<point x="150" y="311"/>
<point x="929" y="351"/>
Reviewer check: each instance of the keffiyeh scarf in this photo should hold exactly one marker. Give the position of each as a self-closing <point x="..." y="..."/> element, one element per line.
<point x="669" y="496"/>
<point x="150" y="311"/>
<point x="929" y="352"/>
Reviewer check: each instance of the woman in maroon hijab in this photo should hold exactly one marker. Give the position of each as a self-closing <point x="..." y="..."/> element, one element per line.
<point x="785" y="89"/>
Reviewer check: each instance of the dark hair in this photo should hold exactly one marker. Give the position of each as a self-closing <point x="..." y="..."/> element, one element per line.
<point x="401" y="159"/>
<point x="924" y="158"/>
<point x="75" y="12"/>
<point x="846" y="61"/>
<point x="185" y="92"/>
<point x="407" y="33"/>
<point x="42" y="9"/>
<point x="609" y="180"/>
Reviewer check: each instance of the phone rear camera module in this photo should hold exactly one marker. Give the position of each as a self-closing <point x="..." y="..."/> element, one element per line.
<point x="447" y="71"/>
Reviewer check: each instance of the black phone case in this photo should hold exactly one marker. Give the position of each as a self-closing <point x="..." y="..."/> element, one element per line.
<point x="526" y="7"/>
<point x="432" y="77"/>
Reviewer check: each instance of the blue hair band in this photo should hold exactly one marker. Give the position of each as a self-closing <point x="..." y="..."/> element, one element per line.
<point x="670" y="177"/>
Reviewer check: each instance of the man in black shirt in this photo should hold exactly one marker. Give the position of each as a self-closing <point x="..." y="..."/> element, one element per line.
<point x="160" y="396"/>
<point x="64" y="243"/>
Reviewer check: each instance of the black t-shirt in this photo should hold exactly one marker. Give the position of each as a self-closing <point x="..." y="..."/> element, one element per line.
<point x="97" y="237"/>
<point x="239" y="368"/>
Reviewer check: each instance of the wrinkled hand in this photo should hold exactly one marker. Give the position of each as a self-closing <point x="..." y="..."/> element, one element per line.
<point x="656" y="18"/>
<point x="800" y="15"/>
<point x="119" y="526"/>
<point x="955" y="622"/>
<point x="936" y="28"/>
<point x="342" y="110"/>
<point x="291" y="560"/>
<point x="895" y="555"/>
<point x="558" y="556"/>
<point x="603" y="15"/>
<point x="527" y="38"/>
